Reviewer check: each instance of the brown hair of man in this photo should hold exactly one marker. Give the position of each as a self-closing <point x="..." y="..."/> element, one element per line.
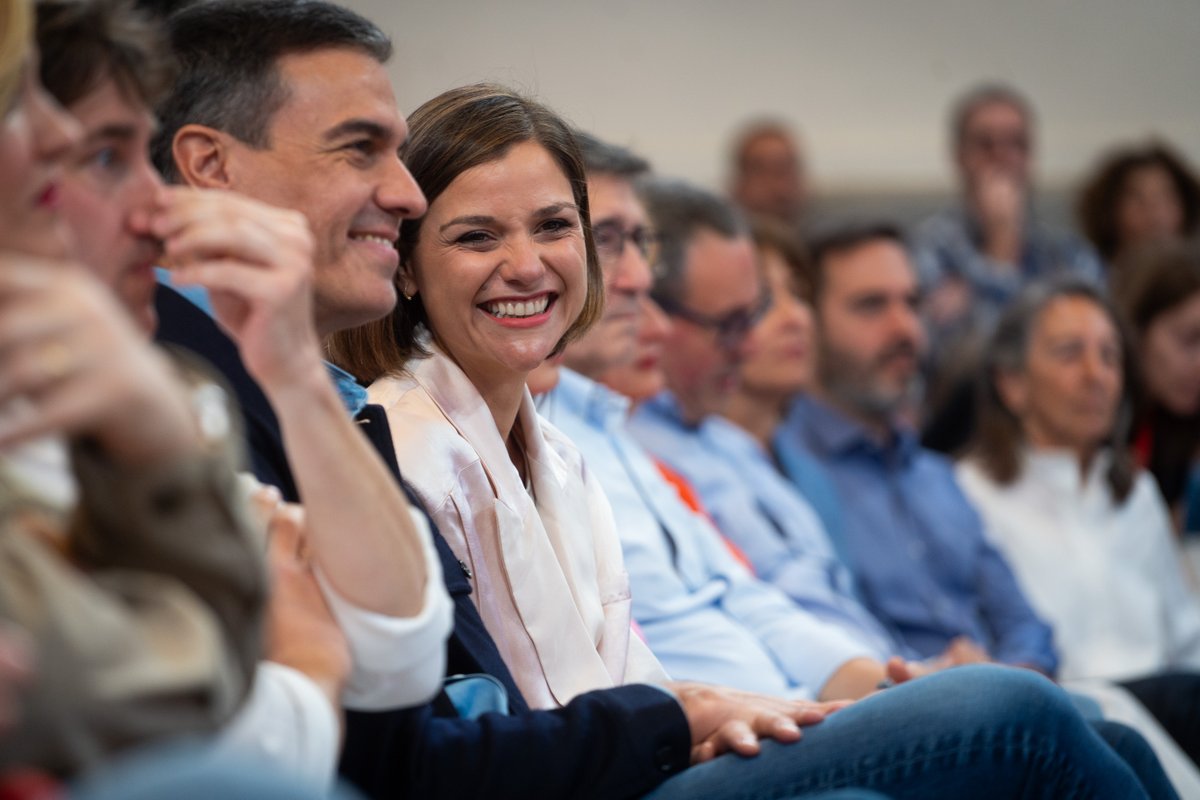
<point x="85" y="42"/>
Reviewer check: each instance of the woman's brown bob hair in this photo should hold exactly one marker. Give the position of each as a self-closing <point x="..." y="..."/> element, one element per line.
<point x="452" y="133"/>
<point x="998" y="437"/>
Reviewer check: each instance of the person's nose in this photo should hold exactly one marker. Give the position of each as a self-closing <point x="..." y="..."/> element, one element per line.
<point x="398" y="192"/>
<point x="656" y="325"/>
<point x="148" y="189"/>
<point x="631" y="272"/>
<point x="905" y="323"/>
<point x="523" y="266"/>
<point x="795" y="312"/>
<point x="1097" y="367"/>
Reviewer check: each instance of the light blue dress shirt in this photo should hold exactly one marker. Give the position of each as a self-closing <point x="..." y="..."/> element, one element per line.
<point x="702" y="613"/>
<point x="917" y="545"/>
<point x="763" y="514"/>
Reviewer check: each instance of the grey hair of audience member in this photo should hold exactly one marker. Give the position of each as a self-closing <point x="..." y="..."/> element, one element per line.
<point x="604" y="158"/>
<point x="680" y="211"/>
<point x="228" y="53"/>
<point x="998" y="437"/>
<point x="982" y="95"/>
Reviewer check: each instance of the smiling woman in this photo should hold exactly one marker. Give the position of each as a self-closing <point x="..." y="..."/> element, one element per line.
<point x="499" y="275"/>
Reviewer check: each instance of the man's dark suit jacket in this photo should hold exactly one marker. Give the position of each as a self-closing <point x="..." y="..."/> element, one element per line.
<point x="613" y="743"/>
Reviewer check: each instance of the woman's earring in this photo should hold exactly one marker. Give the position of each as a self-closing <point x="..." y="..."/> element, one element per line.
<point x="404" y="291"/>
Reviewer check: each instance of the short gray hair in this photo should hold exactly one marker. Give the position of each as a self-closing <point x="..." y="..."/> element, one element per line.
<point x="604" y="158"/>
<point x="680" y="210"/>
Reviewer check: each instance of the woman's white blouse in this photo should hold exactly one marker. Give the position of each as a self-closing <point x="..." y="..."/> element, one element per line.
<point x="1108" y="577"/>
<point x="548" y="577"/>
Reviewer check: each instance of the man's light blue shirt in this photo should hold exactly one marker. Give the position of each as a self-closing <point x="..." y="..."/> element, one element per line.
<point x="917" y="545"/>
<point x="703" y="614"/>
<point x="762" y="513"/>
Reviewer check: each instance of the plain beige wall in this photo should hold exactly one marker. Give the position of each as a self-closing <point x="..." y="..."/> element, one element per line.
<point x="866" y="81"/>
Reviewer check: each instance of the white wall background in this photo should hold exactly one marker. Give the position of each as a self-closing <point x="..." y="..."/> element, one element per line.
<point x="866" y="81"/>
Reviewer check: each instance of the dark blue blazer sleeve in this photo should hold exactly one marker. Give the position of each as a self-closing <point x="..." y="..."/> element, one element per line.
<point x="182" y="324"/>
<point x="615" y="743"/>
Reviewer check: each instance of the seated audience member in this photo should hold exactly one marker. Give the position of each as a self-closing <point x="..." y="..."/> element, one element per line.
<point x="703" y="615"/>
<point x="1087" y="533"/>
<point x="126" y="555"/>
<point x="1136" y="196"/>
<point x="973" y="258"/>
<point x="709" y="284"/>
<point x="1161" y="305"/>
<point x="913" y="541"/>
<point x="778" y="367"/>
<point x="767" y="173"/>
<point x="497" y="276"/>
<point x="107" y="65"/>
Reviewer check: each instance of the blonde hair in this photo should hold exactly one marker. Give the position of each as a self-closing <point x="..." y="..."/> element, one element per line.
<point x="16" y="30"/>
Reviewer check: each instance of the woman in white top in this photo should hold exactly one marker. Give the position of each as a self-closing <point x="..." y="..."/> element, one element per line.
<point x="1086" y="531"/>
<point x="497" y="276"/>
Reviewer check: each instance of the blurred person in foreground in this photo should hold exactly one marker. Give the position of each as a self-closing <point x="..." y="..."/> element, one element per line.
<point x="128" y="557"/>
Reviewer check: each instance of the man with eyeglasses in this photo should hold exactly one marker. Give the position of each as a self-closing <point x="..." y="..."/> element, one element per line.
<point x="972" y="259"/>
<point x="625" y="245"/>
<point x="705" y="616"/>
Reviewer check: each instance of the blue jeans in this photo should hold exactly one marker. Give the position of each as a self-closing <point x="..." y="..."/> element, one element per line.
<point x="980" y="732"/>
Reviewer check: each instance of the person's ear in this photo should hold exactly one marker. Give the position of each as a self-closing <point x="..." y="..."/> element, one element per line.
<point x="202" y="157"/>
<point x="408" y="286"/>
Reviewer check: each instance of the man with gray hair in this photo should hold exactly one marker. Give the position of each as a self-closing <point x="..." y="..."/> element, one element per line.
<point x="973" y="258"/>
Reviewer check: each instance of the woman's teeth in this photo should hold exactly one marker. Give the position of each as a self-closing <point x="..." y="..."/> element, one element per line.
<point x="527" y="308"/>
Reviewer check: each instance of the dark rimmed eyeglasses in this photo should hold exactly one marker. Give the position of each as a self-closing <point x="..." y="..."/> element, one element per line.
<point x="730" y="329"/>
<point x="610" y="240"/>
